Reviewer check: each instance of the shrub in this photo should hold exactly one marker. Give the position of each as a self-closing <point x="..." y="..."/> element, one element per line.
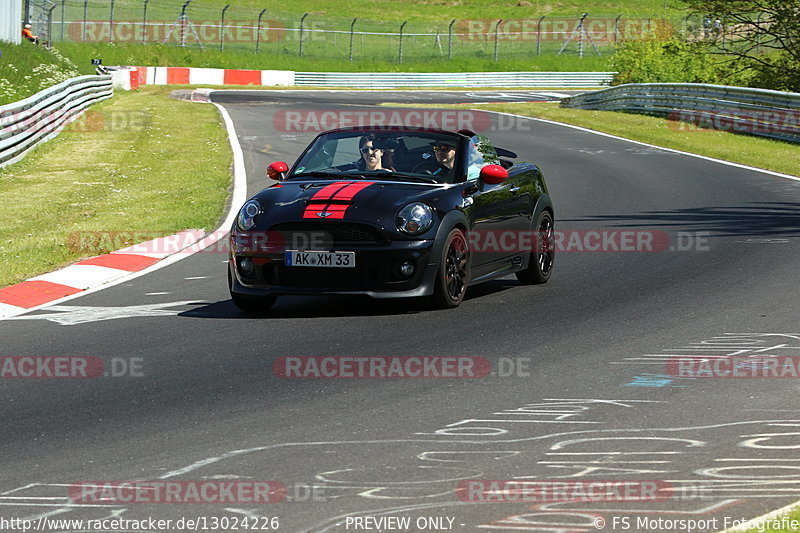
<point x="663" y="61"/>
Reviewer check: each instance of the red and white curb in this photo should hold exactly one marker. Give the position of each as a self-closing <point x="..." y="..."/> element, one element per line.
<point x="103" y="271"/>
<point x="90" y="273"/>
<point x="130" y="78"/>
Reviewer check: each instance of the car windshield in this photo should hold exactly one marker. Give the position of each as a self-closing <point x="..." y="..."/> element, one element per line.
<point x="395" y="154"/>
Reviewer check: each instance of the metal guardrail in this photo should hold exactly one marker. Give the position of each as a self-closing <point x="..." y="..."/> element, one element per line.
<point x="761" y="112"/>
<point x="391" y="80"/>
<point x="39" y="118"/>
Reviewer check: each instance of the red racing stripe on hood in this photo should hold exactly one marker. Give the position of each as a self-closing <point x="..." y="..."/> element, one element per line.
<point x="326" y="199"/>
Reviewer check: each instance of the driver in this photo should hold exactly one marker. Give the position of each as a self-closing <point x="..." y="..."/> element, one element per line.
<point x="445" y="157"/>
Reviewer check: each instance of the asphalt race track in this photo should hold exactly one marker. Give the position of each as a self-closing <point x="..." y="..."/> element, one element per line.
<point x="580" y="389"/>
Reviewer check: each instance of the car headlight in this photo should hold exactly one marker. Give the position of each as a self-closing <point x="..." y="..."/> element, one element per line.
<point x="247" y="215"/>
<point x="415" y="219"/>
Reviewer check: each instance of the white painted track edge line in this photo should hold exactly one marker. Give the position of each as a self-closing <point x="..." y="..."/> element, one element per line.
<point x="673" y="150"/>
<point x="238" y="196"/>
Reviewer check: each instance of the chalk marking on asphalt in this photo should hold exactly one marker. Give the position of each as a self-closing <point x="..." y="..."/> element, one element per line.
<point x="235" y="453"/>
<point x="71" y="315"/>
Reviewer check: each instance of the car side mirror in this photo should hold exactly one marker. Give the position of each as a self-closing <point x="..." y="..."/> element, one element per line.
<point x="493" y="174"/>
<point x="277" y="171"/>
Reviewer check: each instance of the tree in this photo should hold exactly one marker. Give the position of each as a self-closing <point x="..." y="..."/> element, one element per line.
<point x="762" y="36"/>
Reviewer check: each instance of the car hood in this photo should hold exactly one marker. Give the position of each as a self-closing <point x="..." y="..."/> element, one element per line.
<point x="366" y="201"/>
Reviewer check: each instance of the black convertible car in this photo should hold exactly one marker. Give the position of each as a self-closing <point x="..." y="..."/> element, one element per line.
<point x="390" y="212"/>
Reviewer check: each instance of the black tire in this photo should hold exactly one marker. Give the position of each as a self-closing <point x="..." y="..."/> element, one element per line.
<point x="251" y="304"/>
<point x="540" y="266"/>
<point x="453" y="274"/>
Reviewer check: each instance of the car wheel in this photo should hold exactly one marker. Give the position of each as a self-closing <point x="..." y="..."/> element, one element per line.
<point x="541" y="261"/>
<point x="251" y="304"/>
<point x="453" y="274"/>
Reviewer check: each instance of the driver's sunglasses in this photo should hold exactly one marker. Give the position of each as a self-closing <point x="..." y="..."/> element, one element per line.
<point x="443" y="148"/>
<point x="367" y="150"/>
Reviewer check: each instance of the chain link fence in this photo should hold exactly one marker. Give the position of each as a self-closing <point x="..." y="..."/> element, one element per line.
<point x="209" y="27"/>
<point x="41" y="16"/>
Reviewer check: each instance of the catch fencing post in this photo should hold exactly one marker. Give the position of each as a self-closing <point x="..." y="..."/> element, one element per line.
<point x="352" y="25"/>
<point x="539" y="36"/>
<point x="222" y="28"/>
<point x="450" y="39"/>
<point x="258" y="32"/>
<point x="184" y="22"/>
<point x="85" y="16"/>
<point x="302" y="20"/>
<point x="496" y="32"/>
<point x="111" y="23"/>
<point x="403" y="25"/>
<point x="50" y="25"/>
<point x="144" y="23"/>
<point x="62" y="18"/>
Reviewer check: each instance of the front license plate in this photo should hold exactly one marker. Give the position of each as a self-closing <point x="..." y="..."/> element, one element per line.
<point x="320" y="259"/>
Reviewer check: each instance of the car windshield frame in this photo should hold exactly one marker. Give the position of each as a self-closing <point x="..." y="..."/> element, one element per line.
<point x="387" y="134"/>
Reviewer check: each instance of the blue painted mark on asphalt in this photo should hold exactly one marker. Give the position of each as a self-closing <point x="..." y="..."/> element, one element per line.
<point x="653" y="380"/>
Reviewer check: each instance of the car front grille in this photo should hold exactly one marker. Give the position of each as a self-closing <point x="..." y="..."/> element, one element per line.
<point x="333" y="232"/>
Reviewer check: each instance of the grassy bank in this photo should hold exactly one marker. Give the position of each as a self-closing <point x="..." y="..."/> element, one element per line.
<point x="140" y="162"/>
<point x="753" y="151"/>
<point x="26" y="69"/>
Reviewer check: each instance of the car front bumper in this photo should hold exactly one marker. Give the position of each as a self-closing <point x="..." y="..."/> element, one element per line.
<point x="376" y="273"/>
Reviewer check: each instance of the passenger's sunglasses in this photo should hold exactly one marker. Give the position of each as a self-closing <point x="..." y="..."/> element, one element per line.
<point x="367" y="150"/>
<point x="443" y="148"/>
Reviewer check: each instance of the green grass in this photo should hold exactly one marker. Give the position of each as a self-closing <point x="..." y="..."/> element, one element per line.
<point x="369" y="10"/>
<point x="327" y="59"/>
<point x="747" y="150"/>
<point x="26" y="69"/>
<point x="793" y="516"/>
<point x="140" y="162"/>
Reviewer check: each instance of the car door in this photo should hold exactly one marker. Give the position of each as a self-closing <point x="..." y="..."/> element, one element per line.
<point x="502" y="211"/>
